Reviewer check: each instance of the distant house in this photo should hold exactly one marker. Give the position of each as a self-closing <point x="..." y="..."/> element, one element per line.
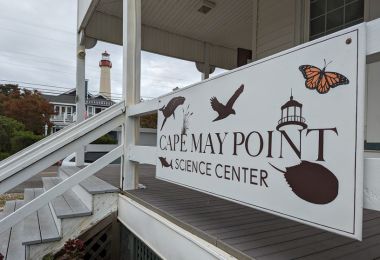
<point x="65" y="108"/>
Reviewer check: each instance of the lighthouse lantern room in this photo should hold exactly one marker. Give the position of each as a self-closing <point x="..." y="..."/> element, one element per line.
<point x="291" y="114"/>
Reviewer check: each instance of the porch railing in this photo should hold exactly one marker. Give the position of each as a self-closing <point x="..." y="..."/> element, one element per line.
<point x="53" y="148"/>
<point x="66" y="118"/>
<point x="37" y="157"/>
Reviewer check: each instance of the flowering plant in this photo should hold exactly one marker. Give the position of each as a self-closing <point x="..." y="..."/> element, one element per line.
<point x="73" y="249"/>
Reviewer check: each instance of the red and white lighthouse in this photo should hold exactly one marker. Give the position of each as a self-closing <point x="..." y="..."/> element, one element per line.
<point x="105" y="75"/>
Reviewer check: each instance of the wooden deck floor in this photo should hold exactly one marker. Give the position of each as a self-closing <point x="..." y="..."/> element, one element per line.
<point x="248" y="233"/>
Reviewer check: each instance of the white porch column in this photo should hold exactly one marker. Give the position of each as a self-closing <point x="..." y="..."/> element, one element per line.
<point x="131" y="85"/>
<point x="80" y="90"/>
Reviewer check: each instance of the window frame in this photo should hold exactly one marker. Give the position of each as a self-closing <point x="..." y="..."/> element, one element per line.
<point x="308" y="20"/>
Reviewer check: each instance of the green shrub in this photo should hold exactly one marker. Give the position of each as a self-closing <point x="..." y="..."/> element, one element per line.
<point x="47" y="257"/>
<point x="13" y="137"/>
<point x="8" y="128"/>
<point x="4" y="155"/>
<point x="105" y="139"/>
<point x="22" y="139"/>
<point x="5" y="143"/>
<point x="10" y="125"/>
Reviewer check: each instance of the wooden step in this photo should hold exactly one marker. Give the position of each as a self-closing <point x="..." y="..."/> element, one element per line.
<point x="15" y="249"/>
<point x="92" y="184"/>
<point x="39" y="227"/>
<point x="67" y="205"/>
<point x="4" y="237"/>
<point x="34" y="229"/>
<point x="48" y="228"/>
<point x="31" y="227"/>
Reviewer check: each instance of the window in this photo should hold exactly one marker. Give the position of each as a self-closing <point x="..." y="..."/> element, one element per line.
<point x="90" y="111"/>
<point x="328" y="16"/>
<point x="56" y="110"/>
<point x="98" y="110"/>
<point x="70" y="110"/>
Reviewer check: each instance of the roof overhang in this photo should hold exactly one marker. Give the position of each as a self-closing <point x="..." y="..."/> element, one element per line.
<point x="176" y="28"/>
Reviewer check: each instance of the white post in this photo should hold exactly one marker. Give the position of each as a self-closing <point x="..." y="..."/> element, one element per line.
<point x="80" y="97"/>
<point x="131" y="85"/>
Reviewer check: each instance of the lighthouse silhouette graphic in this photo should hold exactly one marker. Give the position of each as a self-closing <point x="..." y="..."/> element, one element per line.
<point x="290" y="126"/>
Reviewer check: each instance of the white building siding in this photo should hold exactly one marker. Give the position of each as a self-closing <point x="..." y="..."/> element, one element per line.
<point x="173" y="45"/>
<point x="373" y="104"/>
<point x="275" y="26"/>
<point x="373" y="9"/>
<point x="373" y="83"/>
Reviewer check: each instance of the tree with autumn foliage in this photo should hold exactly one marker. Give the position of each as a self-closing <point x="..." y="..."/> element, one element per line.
<point x="25" y="106"/>
<point x="149" y="121"/>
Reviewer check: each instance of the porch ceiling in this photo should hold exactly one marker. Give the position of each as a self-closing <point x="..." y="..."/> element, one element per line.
<point x="226" y="27"/>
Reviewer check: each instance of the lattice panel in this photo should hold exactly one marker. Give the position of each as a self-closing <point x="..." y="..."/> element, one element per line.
<point x="99" y="246"/>
<point x="143" y="252"/>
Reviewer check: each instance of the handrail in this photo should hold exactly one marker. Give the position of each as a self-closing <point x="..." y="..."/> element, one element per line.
<point x="50" y="138"/>
<point x="55" y="147"/>
<point x="59" y="189"/>
<point x="6" y="161"/>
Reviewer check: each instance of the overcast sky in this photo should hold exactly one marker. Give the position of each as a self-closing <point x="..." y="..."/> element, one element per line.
<point x="37" y="45"/>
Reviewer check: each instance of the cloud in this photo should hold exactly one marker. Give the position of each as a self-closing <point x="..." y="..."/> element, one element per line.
<point x="38" y="43"/>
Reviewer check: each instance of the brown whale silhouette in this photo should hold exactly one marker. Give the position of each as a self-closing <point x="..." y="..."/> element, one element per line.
<point x="170" y="108"/>
<point x="311" y="182"/>
<point x="164" y="162"/>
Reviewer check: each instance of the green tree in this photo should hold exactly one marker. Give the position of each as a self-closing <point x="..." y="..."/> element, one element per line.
<point x="28" y="107"/>
<point x="8" y="128"/>
<point x="13" y="137"/>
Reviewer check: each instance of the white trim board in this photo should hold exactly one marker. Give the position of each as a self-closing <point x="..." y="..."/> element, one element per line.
<point x="150" y="227"/>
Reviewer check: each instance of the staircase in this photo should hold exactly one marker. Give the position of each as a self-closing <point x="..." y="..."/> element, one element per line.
<point x="67" y="216"/>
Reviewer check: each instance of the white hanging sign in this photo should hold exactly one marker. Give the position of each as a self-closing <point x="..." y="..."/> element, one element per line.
<point x="283" y="135"/>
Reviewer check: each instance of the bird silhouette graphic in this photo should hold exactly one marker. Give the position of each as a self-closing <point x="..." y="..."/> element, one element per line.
<point x="225" y="110"/>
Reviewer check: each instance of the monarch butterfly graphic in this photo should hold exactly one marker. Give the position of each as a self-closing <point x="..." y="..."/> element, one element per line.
<point x="320" y="79"/>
